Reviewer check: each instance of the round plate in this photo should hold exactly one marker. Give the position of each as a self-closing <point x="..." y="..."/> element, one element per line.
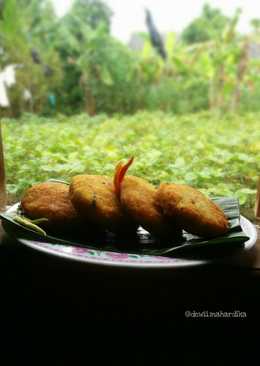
<point x="107" y="258"/>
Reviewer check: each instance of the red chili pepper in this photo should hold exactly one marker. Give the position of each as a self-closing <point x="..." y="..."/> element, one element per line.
<point x="120" y="172"/>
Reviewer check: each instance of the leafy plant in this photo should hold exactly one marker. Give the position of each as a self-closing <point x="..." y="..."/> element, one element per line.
<point x="22" y="29"/>
<point x="207" y="26"/>
<point x="204" y="150"/>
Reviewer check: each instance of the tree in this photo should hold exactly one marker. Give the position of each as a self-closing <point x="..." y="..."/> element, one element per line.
<point x="92" y="13"/>
<point x="255" y="23"/>
<point x="74" y="38"/>
<point x="19" y="29"/>
<point x="207" y="26"/>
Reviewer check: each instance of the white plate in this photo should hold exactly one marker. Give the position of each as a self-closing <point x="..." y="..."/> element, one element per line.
<point x="107" y="258"/>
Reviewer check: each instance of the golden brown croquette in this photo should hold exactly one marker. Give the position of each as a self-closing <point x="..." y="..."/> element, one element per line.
<point x="50" y="200"/>
<point x="94" y="198"/>
<point x="137" y="197"/>
<point x="192" y="210"/>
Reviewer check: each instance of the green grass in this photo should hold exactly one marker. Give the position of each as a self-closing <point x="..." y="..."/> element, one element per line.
<point x="220" y="155"/>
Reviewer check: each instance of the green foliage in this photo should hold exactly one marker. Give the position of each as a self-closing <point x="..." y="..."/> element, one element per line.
<point x="92" y="13"/>
<point x="108" y="74"/>
<point x="94" y="73"/>
<point x="207" y="26"/>
<point x="184" y="95"/>
<point x="22" y="29"/>
<point x="99" y="72"/>
<point x="80" y="38"/>
<point x="219" y="155"/>
<point x="255" y="23"/>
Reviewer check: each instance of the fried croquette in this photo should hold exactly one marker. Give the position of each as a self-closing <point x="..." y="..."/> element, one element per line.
<point x="192" y="210"/>
<point x="137" y="196"/>
<point x="94" y="198"/>
<point x="50" y="200"/>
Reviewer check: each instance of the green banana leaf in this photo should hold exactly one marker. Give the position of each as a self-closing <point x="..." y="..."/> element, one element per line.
<point x="234" y="238"/>
<point x="141" y="243"/>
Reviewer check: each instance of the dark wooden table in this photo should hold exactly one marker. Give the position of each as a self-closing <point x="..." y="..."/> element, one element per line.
<point x="48" y="303"/>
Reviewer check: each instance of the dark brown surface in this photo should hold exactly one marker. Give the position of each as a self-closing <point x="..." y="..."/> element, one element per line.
<point x="65" y="312"/>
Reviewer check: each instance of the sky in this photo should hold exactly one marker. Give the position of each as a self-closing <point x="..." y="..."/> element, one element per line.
<point x="169" y="15"/>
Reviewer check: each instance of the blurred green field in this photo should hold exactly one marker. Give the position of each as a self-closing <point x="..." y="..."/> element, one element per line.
<point x="220" y="155"/>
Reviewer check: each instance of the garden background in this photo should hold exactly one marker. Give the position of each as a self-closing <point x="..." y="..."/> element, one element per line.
<point x="187" y="105"/>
